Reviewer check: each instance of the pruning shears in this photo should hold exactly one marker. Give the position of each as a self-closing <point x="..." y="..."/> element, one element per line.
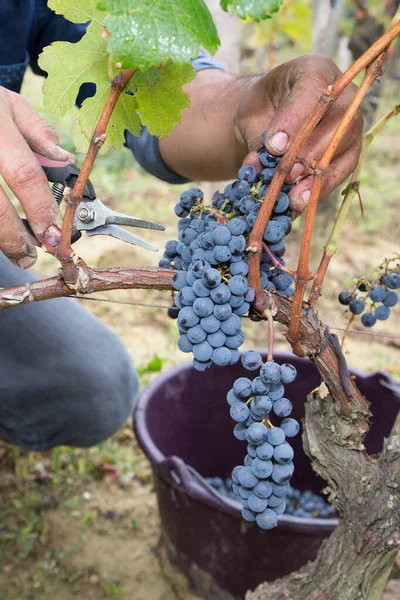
<point x="91" y="214"/>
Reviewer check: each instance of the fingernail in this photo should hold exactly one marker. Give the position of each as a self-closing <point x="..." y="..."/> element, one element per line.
<point x="279" y="141"/>
<point x="297" y="171"/>
<point x="58" y="153"/>
<point x="52" y="236"/>
<point x="26" y="262"/>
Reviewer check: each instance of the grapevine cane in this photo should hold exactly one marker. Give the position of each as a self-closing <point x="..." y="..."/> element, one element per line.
<point x="303" y="274"/>
<point x="349" y="192"/>
<point x="72" y="197"/>
<point x="330" y="95"/>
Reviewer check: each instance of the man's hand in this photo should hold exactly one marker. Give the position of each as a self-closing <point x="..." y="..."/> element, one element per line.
<point x="22" y="133"/>
<point x="223" y="125"/>
<point x="280" y="102"/>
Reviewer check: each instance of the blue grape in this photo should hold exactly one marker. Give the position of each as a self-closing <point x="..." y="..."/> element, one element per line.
<point x="187" y="317"/>
<point x="248" y="173"/>
<point x="276" y="436"/>
<point x="263" y="489"/>
<point x="239" y="431"/>
<point x="377" y="293"/>
<point x="390" y="299"/>
<point x="179" y="280"/>
<point x="257" y="504"/>
<point x="251" y="360"/>
<point x="282" y="473"/>
<point x="290" y="427"/>
<point x="222" y="356"/>
<point x="262" y="468"/>
<point x="247" y="478"/>
<point x="221" y="235"/>
<point x="203" y="351"/>
<point x="196" y="334"/>
<point x="288" y="373"/>
<point x="201" y="366"/>
<point x="345" y="298"/>
<point x="203" y="307"/>
<point x="239" y="412"/>
<point x="256" y="433"/>
<point x="211" y="278"/>
<point x="239" y="268"/>
<point x="200" y="289"/>
<point x="234" y="341"/>
<point x="283" y="453"/>
<point x="357" y="306"/>
<point x="237" y="226"/>
<point x="222" y="254"/>
<point x="238" y="285"/>
<point x="183" y="344"/>
<point x="220" y="294"/>
<point x="382" y="312"/>
<point x="232" y="325"/>
<point x="368" y="319"/>
<point x="392" y="281"/>
<point x="248" y="515"/>
<point x="217" y="339"/>
<point x="273" y="232"/>
<point x="244" y="492"/>
<point x="223" y="312"/>
<point x="236" y="301"/>
<point x="280" y="490"/>
<point x="267" y="519"/>
<point x="210" y="324"/>
<point x="259" y="387"/>
<point x="271" y="372"/>
<point x="242" y="387"/>
<point x="283" y="407"/>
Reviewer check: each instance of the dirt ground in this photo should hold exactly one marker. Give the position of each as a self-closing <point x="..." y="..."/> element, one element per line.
<point x="84" y="523"/>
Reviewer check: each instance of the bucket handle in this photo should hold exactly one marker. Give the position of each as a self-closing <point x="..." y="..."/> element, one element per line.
<point x="185" y="476"/>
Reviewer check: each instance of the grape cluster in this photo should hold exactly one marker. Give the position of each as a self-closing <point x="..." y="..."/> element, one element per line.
<point x="211" y="262"/>
<point x="309" y="505"/>
<point x="261" y="483"/>
<point x="223" y="486"/>
<point x="299" y="503"/>
<point x="373" y="300"/>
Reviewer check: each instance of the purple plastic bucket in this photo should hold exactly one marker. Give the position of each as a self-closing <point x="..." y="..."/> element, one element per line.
<point x="182" y="421"/>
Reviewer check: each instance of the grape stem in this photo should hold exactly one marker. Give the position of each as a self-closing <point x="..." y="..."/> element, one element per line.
<point x="270" y="319"/>
<point x="63" y="251"/>
<point x="350" y="191"/>
<point x="276" y="262"/>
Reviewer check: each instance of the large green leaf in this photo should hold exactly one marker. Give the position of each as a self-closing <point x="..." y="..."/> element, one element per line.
<point x="160" y="96"/>
<point x="77" y="11"/>
<point x="69" y="65"/>
<point x="255" y="9"/>
<point x="148" y="33"/>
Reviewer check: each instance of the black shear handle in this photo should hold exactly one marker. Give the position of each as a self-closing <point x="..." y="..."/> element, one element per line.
<point x="67" y="176"/>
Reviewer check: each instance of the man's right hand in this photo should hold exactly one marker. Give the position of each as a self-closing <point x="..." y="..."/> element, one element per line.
<point x="22" y="133"/>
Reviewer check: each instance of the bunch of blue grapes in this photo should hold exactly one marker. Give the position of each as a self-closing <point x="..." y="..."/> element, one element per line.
<point x="299" y="503"/>
<point x="373" y="299"/>
<point x="211" y="262"/>
<point x="308" y="505"/>
<point x="262" y="482"/>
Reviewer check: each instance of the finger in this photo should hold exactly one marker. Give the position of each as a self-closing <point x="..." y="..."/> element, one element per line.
<point x="39" y="134"/>
<point x="299" y="196"/>
<point x="316" y="145"/>
<point x="24" y="175"/>
<point x="15" y="242"/>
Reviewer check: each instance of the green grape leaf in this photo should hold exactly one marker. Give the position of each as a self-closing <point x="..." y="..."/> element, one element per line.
<point x="69" y="65"/>
<point x="78" y="11"/>
<point x="151" y="32"/>
<point x="124" y="116"/>
<point x="255" y="9"/>
<point x="160" y="97"/>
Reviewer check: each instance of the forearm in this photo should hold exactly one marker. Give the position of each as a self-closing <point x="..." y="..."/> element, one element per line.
<point x="204" y="145"/>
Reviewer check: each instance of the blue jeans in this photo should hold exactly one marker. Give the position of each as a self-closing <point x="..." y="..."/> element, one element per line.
<point x="65" y="378"/>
